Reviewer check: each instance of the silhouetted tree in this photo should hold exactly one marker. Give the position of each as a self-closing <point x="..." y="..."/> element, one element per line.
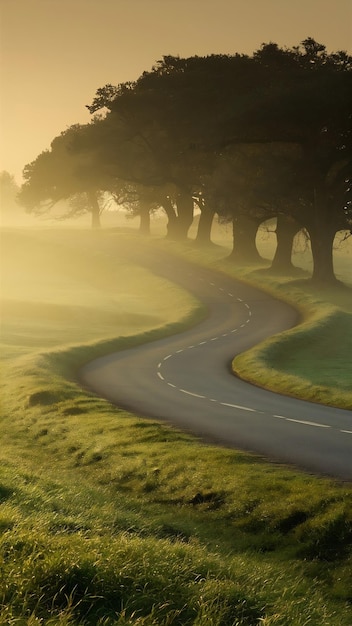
<point x="186" y="110"/>
<point x="139" y="200"/>
<point x="175" y="110"/>
<point x="308" y="101"/>
<point x="61" y="174"/>
<point x="251" y="183"/>
<point x="250" y="137"/>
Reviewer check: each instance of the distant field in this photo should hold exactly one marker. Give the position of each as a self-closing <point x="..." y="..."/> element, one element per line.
<point x="67" y="287"/>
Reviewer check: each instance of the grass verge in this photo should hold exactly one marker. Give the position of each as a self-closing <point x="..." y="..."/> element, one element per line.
<point x="311" y="361"/>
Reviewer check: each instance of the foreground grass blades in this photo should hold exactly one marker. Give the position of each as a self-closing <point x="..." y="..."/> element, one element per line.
<point x="106" y="518"/>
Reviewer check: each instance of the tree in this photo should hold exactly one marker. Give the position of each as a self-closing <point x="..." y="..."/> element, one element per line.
<point x="171" y="111"/>
<point x="206" y="217"/>
<point x="138" y="200"/>
<point x="187" y="110"/>
<point x="251" y="183"/>
<point x="171" y="127"/>
<point x="61" y="174"/>
<point x="306" y="100"/>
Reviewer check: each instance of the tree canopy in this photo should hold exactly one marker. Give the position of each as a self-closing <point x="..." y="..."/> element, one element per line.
<point x="242" y="136"/>
<point x="62" y="173"/>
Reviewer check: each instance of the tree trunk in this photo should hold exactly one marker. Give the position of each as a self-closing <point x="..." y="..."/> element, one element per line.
<point x="286" y="229"/>
<point x="321" y="241"/>
<point x="94" y="208"/>
<point x="185" y="210"/>
<point x="181" y="218"/>
<point x="144" y="213"/>
<point x="322" y="227"/>
<point x="171" y="217"/>
<point x="244" y="233"/>
<point x="206" y="217"/>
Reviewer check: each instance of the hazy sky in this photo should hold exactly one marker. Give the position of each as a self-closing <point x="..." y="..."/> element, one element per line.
<point x="56" y="53"/>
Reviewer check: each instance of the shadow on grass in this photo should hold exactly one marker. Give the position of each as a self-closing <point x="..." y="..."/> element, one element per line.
<point x="339" y="294"/>
<point x="288" y="272"/>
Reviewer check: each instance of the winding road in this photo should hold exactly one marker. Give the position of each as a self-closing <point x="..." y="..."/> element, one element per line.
<point x="186" y="379"/>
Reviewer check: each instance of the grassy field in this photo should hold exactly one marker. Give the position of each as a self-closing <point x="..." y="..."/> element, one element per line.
<point x="106" y="518"/>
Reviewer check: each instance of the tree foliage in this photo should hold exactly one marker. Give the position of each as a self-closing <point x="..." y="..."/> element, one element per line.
<point x="245" y="136"/>
<point x="62" y="174"/>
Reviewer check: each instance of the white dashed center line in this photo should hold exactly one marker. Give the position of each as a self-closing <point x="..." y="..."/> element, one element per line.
<point x="190" y="393"/>
<point x="238" y="406"/>
<point x="290" y="419"/>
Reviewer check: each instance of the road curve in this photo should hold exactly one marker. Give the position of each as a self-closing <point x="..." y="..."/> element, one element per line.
<point x="186" y="379"/>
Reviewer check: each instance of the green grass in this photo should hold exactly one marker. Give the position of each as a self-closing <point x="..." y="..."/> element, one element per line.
<point x="312" y="362"/>
<point x="106" y="518"/>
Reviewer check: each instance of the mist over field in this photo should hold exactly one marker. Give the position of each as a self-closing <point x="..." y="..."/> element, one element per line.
<point x="58" y="288"/>
<point x="221" y="234"/>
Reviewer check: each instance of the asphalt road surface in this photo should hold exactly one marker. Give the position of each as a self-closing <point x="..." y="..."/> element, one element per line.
<point x="186" y="379"/>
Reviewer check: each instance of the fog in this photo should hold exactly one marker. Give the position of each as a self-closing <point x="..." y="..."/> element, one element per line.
<point x="64" y="286"/>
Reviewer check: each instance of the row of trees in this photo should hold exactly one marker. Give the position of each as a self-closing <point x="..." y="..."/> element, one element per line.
<point x="245" y="137"/>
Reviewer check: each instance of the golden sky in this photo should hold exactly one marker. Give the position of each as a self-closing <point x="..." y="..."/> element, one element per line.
<point x="56" y="53"/>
